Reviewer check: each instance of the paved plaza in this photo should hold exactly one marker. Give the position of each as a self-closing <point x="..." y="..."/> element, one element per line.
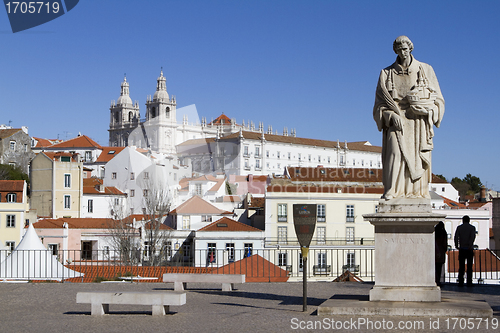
<point x="253" y="307"/>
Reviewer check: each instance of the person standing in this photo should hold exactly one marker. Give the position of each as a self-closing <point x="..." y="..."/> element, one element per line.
<point x="464" y="242"/>
<point x="441" y="246"/>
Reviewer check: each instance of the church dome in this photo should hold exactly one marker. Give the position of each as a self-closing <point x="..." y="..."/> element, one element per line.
<point x="161" y="88"/>
<point x="124" y="96"/>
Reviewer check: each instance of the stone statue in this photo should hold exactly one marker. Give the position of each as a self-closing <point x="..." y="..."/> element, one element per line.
<point x="408" y="104"/>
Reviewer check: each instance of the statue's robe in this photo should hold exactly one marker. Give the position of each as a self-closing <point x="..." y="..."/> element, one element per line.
<point x="406" y="153"/>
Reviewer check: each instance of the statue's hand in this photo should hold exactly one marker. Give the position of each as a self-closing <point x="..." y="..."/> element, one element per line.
<point x="419" y="110"/>
<point x="396" y="122"/>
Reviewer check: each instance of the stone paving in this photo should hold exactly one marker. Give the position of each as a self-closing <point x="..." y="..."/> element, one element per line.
<point x="253" y="307"/>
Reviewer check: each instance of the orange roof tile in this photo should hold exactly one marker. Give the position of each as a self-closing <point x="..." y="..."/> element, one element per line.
<point x="307" y="174"/>
<point x="42" y="143"/>
<point x="227" y="224"/>
<point x="360" y="146"/>
<point x="258" y="202"/>
<point x="56" y="155"/>
<point x="76" y="223"/>
<point x="11" y="185"/>
<point x="356" y="189"/>
<point x="108" y="153"/>
<point x="5" y="133"/>
<point x="196" y="205"/>
<point x="81" y="141"/>
<point x="221" y="120"/>
<point x="256" y="269"/>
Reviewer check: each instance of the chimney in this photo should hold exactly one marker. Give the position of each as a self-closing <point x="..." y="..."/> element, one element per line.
<point x="483" y="194"/>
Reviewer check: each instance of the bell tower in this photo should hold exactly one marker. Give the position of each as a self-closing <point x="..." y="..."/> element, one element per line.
<point x="161" y="120"/>
<point x="124" y="117"/>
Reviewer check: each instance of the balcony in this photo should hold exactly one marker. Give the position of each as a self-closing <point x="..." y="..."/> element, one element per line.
<point x="349" y="218"/>
<point x="282" y="218"/>
<point x="351" y="268"/>
<point x="270" y="241"/>
<point x="322" y="269"/>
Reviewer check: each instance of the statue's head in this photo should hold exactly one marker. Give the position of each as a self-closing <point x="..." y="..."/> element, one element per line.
<point x="400" y="41"/>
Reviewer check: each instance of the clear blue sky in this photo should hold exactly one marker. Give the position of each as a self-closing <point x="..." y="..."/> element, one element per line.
<point x="309" y="65"/>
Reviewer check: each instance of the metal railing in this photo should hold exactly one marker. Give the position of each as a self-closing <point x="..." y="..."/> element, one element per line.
<point x="270" y="241"/>
<point x="264" y="265"/>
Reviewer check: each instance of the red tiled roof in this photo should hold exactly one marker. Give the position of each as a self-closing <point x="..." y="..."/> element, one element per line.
<point x="256" y="269"/>
<point x="147" y="226"/>
<point x="5" y="133"/>
<point x="81" y="141"/>
<point x="324" y="189"/>
<point x="438" y="180"/>
<point x="108" y="153"/>
<point x="91" y="185"/>
<point x="11" y="185"/>
<point x="453" y="204"/>
<point x="231" y="198"/>
<point x="227" y="224"/>
<point x="364" y="175"/>
<point x="359" y="146"/>
<point x="486" y="259"/>
<point x="196" y="205"/>
<point x="42" y="143"/>
<point x="76" y="223"/>
<point x="221" y="120"/>
<point x="56" y="155"/>
<point x="347" y="276"/>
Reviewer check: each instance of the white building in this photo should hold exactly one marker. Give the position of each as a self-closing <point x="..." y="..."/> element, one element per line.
<point x="257" y="153"/>
<point x="100" y="201"/>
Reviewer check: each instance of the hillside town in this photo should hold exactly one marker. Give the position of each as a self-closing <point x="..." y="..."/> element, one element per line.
<point x="197" y="193"/>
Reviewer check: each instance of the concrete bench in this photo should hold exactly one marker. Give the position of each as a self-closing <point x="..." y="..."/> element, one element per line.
<point x="159" y="300"/>
<point x="181" y="279"/>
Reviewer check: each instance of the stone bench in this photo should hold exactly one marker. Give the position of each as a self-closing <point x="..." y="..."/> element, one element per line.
<point x="160" y="301"/>
<point x="181" y="279"/>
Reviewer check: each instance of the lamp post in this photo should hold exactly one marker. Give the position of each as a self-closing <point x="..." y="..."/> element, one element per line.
<point x="304" y="220"/>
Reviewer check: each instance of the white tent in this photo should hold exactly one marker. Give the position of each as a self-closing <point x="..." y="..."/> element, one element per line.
<point x="32" y="261"/>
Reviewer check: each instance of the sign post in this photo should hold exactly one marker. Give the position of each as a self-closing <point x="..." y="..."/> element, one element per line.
<point x="304" y="220"/>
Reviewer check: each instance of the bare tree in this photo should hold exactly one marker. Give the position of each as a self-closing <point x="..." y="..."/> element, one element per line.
<point x="156" y="199"/>
<point x="123" y="236"/>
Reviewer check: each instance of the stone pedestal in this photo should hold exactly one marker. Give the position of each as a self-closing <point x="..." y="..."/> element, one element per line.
<point x="404" y="251"/>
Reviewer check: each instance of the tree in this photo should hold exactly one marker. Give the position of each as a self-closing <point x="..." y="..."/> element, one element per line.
<point x="10" y="172"/>
<point x="474" y="183"/>
<point x="157" y="203"/>
<point x="123" y="236"/>
<point x="461" y="186"/>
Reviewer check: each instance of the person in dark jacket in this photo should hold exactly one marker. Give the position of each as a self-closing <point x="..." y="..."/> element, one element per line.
<point x="441" y="246"/>
<point x="464" y="242"/>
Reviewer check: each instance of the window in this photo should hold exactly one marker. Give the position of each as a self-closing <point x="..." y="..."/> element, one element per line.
<point x="65" y="159"/>
<point x="145" y="193"/>
<point x="289" y="155"/>
<point x="117" y="201"/>
<point x="11" y="245"/>
<point x="328" y="159"/>
<point x="321" y="235"/>
<point x="278" y="154"/>
<point x="319" y="158"/>
<point x="206" y="218"/>
<point x="212" y="253"/>
<point x="67" y="180"/>
<point x="245" y="151"/>
<point x="147" y="249"/>
<point x="349" y="235"/>
<point x="321" y="213"/>
<point x="53" y="248"/>
<point x="349" y="215"/>
<point x="167" y="248"/>
<point x="67" y="202"/>
<point x="25" y="147"/>
<point x="353" y="161"/>
<point x="230" y="252"/>
<point x="11" y="197"/>
<point x="321" y="257"/>
<point x="132" y="176"/>
<point x="198" y="189"/>
<point x="132" y="193"/>
<point x="257" y="164"/>
<point x="309" y="157"/>
<point x="248" y="249"/>
<point x="279" y="165"/>
<point x="282" y="214"/>
<point x="351" y="261"/>
<point x="11" y="221"/>
<point x="12" y="145"/>
<point x="300" y="156"/>
<point x="167" y="112"/>
<point x="247" y="164"/>
<point x="257" y="151"/>
<point x="146" y="175"/>
<point x="267" y="153"/>
<point x="342" y="160"/>
<point x="90" y="206"/>
<point x="88" y="156"/>
<point x="186" y="222"/>
<point x="282" y="235"/>
<point x="113" y="175"/>
<point x="106" y="250"/>
<point x="282" y="259"/>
